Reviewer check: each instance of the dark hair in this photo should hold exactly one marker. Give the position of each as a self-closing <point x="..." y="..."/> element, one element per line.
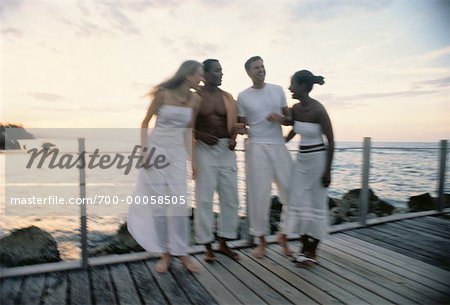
<point x="306" y="77"/>
<point x="207" y="64"/>
<point x="250" y="60"/>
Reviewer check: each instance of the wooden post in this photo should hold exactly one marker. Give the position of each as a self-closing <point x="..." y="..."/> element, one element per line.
<point x="364" y="195"/>
<point x="83" y="220"/>
<point x="442" y="165"/>
<point x="250" y="239"/>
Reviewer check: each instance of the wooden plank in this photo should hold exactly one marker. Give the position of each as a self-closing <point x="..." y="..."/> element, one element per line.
<point x="427" y="228"/>
<point x="284" y="271"/>
<point x="125" y="289"/>
<point x="376" y="274"/>
<point x="408" y="263"/>
<point x="56" y="287"/>
<point x="402" y="245"/>
<point x="315" y="293"/>
<point x="79" y="287"/>
<point x="32" y="290"/>
<point x="9" y="290"/>
<point x="407" y="227"/>
<point x="290" y="292"/>
<point x="221" y="294"/>
<point x="380" y="242"/>
<point x="39" y="268"/>
<point x="146" y="284"/>
<point x="390" y="239"/>
<point x="370" y="282"/>
<point x="191" y="287"/>
<point x="445" y="223"/>
<point x="244" y="294"/>
<point x="415" y="281"/>
<point x="264" y="291"/>
<point x="417" y="240"/>
<point x="342" y="282"/>
<point x="320" y="282"/>
<point x="102" y="286"/>
<point x="169" y="287"/>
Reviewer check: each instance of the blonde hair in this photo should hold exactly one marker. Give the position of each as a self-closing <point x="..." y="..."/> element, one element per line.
<point x="187" y="68"/>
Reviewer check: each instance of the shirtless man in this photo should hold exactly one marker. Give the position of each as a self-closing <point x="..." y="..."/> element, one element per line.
<point x="215" y="163"/>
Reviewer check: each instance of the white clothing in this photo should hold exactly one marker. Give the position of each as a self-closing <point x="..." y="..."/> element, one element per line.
<point x="155" y="227"/>
<point x="264" y="163"/>
<point x="308" y="199"/>
<point x="255" y="105"/>
<point x="216" y="170"/>
<point x="311" y="133"/>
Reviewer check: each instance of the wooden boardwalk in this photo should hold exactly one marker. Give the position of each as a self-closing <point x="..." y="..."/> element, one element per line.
<point x="402" y="262"/>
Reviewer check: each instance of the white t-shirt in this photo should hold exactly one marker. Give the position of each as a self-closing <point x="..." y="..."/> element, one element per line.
<point x="255" y="105"/>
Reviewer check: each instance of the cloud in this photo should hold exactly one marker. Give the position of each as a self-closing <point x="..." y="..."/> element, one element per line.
<point x="437" y="53"/>
<point x="348" y="101"/>
<point x="436" y="83"/>
<point x="48" y="97"/>
<point x="11" y="33"/>
<point x="115" y="14"/>
<point x="6" y="6"/>
<point x="329" y="9"/>
<point x="200" y="48"/>
<point x="190" y="46"/>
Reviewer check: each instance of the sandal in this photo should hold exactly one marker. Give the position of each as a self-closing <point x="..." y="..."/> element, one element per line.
<point x="230" y="253"/>
<point x="301" y="261"/>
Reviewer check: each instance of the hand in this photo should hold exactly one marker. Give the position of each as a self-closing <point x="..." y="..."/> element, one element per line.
<point x="232" y="144"/>
<point x="207" y="138"/>
<point x="274" y="117"/>
<point x="240" y="128"/>
<point x="326" y="179"/>
<point x="194" y="173"/>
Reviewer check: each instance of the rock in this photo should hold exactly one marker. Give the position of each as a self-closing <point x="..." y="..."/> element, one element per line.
<point x="446" y="200"/>
<point x="335" y="216"/>
<point x="121" y="243"/>
<point x="376" y="206"/>
<point x="331" y="203"/>
<point x="242" y="228"/>
<point x="10" y="133"/>
<point x="275" y="213"/>
<point x="28" y="246"/>
<point x="422" y="202"/>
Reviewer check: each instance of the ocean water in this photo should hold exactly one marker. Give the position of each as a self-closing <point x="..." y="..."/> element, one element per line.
<point x="397" y="171"/>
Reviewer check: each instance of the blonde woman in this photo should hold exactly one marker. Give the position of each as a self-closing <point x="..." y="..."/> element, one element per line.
<point x="158" y="227"/>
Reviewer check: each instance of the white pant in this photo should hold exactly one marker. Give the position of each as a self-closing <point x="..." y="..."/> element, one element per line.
<point x="265" y="163"/>
<point x="216" y="170"/>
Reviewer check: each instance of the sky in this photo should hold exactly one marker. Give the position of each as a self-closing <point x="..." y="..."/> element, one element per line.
<point x="80" y="63"/>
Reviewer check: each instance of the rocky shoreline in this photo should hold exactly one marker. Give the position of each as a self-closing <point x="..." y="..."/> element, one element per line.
<point x="33" y="245"/>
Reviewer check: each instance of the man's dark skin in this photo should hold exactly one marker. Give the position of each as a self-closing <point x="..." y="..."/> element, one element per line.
<point x="211" y="125"/>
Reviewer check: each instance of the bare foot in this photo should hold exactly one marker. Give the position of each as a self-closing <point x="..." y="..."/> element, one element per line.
<point x="209" y="256"/>
<point x="283" y="242"/>
<point x="259" y="251"/>
<point x="224" y="249"/>
<point x="163" y="265"/>
<point x="189" y="264"/>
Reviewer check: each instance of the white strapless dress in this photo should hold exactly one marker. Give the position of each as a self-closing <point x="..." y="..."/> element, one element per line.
<point x="164" y="227"/>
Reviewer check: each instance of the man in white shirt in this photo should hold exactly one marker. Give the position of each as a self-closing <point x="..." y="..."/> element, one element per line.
<point x="264" y="109"/>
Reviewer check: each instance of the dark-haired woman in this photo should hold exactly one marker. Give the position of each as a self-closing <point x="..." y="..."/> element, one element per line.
<point x="310" y="176"/>
<point x="158" y="227"/>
